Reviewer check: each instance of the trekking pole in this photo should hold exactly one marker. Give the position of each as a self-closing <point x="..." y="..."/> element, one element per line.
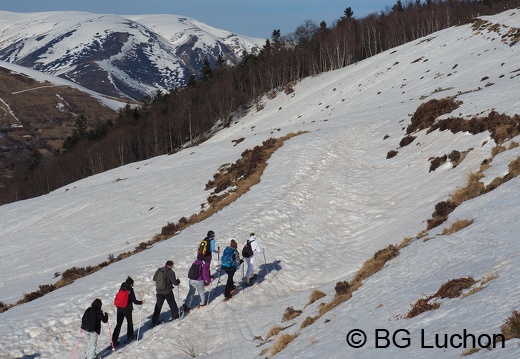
<point x="178" y="307"/>
<point x="243" y="279"/>
<point x="139" y="327"/>
<point x="110" y="336"/>
<point x="77" y="345"/>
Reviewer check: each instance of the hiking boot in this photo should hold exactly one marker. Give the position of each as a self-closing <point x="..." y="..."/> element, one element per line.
<point x="156" y="324"/>
<point x="129" y="340"/>
<point x="186" y="309"/>
<point x="253" y="277"/>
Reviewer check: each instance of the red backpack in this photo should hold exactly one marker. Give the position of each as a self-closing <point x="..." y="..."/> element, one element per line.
<point x="121" y="300"/>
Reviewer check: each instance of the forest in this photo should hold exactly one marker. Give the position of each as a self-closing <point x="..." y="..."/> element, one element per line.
<point x="168" y="122"/>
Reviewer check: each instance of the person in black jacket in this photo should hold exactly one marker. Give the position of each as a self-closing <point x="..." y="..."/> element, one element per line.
<point x="165" y="292"/>
<point x="91" y="324"/>
<point x="126" y="312"/>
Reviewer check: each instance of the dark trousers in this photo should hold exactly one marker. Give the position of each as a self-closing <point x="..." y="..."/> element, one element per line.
<point x="230" y="285"/>
<point x="121" y="315"/>
<point x="170" y="299"/>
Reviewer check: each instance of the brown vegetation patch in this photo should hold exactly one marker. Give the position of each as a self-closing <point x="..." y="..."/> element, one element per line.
<point x="436" y="162"/>
<point x="511" y="328"/>
<point x="342" y="287"/>
<point x="473" y="189"/>
<point x="406" y="140"/>
<point x="281" y="343"/>
<point x="442" y="210"/>
<point x="391" y="154"/>
<point x="315" y="295"/>
<point x="454" y="287"/>
<point x="457" y="226"/>
<point x="290" y="313"/>
<point x="426" y="114"/>
<point x="308" y="321"/>
<point x="422" y="305"/>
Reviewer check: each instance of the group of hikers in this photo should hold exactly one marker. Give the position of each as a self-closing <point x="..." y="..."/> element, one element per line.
<point x="199" y="276"/>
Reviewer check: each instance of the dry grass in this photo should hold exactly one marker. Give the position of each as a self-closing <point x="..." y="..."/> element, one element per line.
<point x="512" y="145"/>
<point x="315" y="295"/>
<point x="497" y="150"/>
<point x="281" y="343"/>
<point x="473" y="189"/>
<point x="274" y="331"/>
<point x="457" y="226"/>
<point x="290" y="313"/>
<point x="489" y="278"/>
<point x="374" y="264"/>
<point x="422" y="305"/>
<point x="511" y="328"/>
<point x="308" y="321"/>
<point x="337" y="300"/>
<point x="481" y="285"/>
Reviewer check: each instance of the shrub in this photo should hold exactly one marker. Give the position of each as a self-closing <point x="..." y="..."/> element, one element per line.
<point x="406" y="141"/>
<point x="422" y="305"/>
<point x="342" y="287"/>
<point x="426" y="114"/>
<point x="473" y="189"/>
<point x="290" y="313"/>
<point x="391" y="154"/>
<point x="454" y="287"/>
<point x="511" y="328"/>
<point x="436" y="162"/>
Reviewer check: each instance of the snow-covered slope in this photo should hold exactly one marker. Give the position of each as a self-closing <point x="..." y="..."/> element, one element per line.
<point x="328" y="200"/>
<point x="115" y="55"/>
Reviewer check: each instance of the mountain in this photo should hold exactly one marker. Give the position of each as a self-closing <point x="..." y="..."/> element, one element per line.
<point x="372" y="166"/>
<point x="125" y="57"/>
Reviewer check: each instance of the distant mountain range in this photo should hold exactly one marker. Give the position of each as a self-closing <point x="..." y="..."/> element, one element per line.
<point x="125" y="57"/>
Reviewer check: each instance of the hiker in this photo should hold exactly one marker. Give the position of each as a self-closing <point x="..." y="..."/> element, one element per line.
<point x="91" y="324"/>
<point x="126" y="312"/>
<point x="165" y="279"/>
<point x="196" y="283"/>
<point x="249" y="250"/>
<point x="204" y="253"/>
<point x="230" y="263"/>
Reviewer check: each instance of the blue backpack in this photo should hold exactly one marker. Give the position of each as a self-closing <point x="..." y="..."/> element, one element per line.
<point x="228" y="258"/>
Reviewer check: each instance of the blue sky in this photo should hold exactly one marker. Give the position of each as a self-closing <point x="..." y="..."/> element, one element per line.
<point x="245" y="17"/>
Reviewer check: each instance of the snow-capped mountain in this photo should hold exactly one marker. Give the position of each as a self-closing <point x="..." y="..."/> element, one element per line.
<point x="120" y="56"/>
<point x="329" y="200"/>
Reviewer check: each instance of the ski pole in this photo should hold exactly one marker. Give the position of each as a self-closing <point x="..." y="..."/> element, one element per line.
<point x="110" y="336"/>
<point x="77" y="345"/>
<point x="139" y="327"/>
<point x="178" y="307"/>
<point x="243" y="279"/>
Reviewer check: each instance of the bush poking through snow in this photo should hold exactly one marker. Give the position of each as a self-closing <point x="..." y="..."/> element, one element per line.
<point x="457" y="226"/>
<point x="511" y="328"/>
<point x="453" y="288"/>
<point x="342" y="287"/>
<point x="422" y="305"/>
<point x="308" y="321"/>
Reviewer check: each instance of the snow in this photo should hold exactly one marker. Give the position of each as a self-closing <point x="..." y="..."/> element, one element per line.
<point x="327" y="201"/>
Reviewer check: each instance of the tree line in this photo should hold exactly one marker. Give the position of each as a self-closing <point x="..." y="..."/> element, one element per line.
<point x="167" y="122"/>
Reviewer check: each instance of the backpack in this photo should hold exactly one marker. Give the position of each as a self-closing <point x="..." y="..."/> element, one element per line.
<point x="88" y="321"/>
<point x="204" y="247"/>
<point x="194" y="271"/>
<point x="247" y="251"/>
<point x="160" y="280"/>
<point x="121" y="300"/>
<point x="228" y="259"/>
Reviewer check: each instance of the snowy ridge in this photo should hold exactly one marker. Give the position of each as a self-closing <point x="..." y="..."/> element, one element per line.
<point x="116" y="55"/>
<point x="327" y="201"/>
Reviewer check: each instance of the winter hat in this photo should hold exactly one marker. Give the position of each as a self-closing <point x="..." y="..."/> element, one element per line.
<point x="211" y="234"/>
<point x="233" y="243"/>
<point x="129" y="280"/>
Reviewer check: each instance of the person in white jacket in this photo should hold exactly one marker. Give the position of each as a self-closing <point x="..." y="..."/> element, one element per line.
<point x="250" y="257"/>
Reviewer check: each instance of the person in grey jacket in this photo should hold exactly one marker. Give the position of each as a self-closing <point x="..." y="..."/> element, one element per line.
<point x="166" y="293"/>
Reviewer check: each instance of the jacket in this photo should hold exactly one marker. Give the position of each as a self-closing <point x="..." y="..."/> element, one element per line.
<point x="171" y="280"/>
<point x="92" y="318"/>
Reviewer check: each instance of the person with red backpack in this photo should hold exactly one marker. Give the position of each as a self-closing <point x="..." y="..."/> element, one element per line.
<point x="91" y="324"/>
<point x="124" y="301"/>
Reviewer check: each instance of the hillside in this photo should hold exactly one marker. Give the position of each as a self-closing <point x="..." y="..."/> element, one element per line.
<point x="123" y="57"/>
<point x="328" y="200"/>
<point x="38" y="111"/>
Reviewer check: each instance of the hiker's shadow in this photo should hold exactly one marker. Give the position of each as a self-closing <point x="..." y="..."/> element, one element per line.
<point x="268" y="271"/>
